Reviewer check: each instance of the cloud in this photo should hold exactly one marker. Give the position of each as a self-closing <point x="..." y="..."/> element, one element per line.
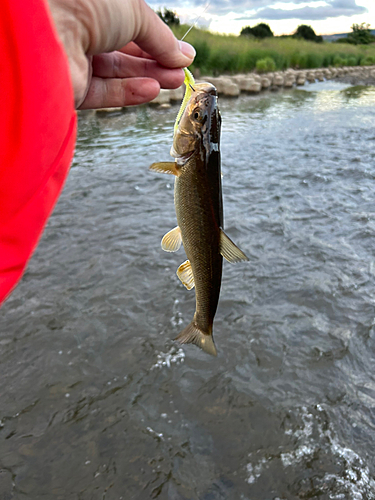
<point x="262" y="9"/>
<point x="334" y="8"/>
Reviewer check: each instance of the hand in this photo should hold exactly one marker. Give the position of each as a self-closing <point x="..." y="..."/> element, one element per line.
<point x="120" y="52"/>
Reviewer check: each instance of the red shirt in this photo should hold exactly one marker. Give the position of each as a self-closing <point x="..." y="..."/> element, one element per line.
<point x="37" y="130"/>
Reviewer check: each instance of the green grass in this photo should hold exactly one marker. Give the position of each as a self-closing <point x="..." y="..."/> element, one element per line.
<point x="218" y="54"/>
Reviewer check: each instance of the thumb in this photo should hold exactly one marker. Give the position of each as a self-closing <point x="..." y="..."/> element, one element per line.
<point x="156" y="38"/>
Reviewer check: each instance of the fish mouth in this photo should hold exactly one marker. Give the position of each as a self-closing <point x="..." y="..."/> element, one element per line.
<point x="199" y="127"/>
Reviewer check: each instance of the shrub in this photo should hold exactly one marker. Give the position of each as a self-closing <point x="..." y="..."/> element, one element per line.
<point x="361" y="34"/>
<point x="368" y="61"/>
<point x="265" y="65"/>
<point x="261" y="30"/>
<point x="352" y="61"/>
<point x="345" y="40"/>
<point x="306" y="32"/>
<point x="169" y="17"/>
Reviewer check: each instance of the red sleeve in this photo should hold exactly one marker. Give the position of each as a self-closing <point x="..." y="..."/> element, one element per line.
<point x="37" y="130"/>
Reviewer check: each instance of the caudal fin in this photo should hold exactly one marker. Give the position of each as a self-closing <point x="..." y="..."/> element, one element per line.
<point x="192" y="335"/>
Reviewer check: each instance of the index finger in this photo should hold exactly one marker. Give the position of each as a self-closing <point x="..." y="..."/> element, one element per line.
<point x="132" y="49"/>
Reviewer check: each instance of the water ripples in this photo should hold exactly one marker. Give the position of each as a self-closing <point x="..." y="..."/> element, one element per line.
<point x="97" y="400"/>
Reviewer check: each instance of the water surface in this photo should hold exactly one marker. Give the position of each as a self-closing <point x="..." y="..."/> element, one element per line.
<point x="97" y="401"/>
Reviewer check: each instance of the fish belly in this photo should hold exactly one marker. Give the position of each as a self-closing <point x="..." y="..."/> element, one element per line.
<point x="201" y="239"/>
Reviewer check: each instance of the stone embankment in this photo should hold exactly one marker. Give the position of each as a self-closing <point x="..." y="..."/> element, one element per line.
<point x="252" y="83"/>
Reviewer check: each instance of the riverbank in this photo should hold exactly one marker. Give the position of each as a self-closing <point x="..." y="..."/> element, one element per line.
<point x="226" y="54"/>
<point x="253" y="83"/>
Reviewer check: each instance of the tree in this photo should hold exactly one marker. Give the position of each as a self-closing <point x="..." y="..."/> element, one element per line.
<point x="306" y="32"/>
<point x="361" y="34"/>
<point x="261" y="30"/>
<point x="169" y="17"/>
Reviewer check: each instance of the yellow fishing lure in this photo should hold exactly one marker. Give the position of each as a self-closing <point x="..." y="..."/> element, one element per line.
<point x="189" y="84"/>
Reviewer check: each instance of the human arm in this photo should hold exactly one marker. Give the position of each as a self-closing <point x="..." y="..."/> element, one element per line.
<point x="43" y="79"/>
<point x="120" y="52"/>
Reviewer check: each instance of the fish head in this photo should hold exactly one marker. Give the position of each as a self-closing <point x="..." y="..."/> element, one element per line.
<point x="199" y="127"/>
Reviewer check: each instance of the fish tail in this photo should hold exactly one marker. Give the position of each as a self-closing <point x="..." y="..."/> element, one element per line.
<point x="193" y="335"/>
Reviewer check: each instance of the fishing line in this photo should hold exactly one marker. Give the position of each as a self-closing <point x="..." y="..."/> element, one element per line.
<point x="189" y="78"/>
<point x="195" y="22"/>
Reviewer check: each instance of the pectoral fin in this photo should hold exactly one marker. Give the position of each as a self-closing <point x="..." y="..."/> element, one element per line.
<point x="165" y="167"/>
<point x="229" y="250"/>
<point x="185" y="273"/>
<point x="171" y="241"/>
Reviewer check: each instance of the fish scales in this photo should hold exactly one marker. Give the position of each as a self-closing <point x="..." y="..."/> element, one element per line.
<point x="199" y="208"/>
<point x="200" y="236"/>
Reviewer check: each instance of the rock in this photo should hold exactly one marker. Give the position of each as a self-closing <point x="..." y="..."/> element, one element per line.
<point x="162" y="98"/>
<point x="327" y="73"/>
<point x="238" y="79"/>
<point x="224" y="85"/>
<point x="243" y="81"/>
<point x="109" y="110"/>
<point x="177" y="94"/>
<point x="310" y="76"/>
<point x="247" y="83"/>
<point x="265" y="82"/>
<point x="232" y="90"/>
<point x="319" y="76"/>
<point x="289" y="81"/>
<point x="255" y="87"/>
<point x="278" y="80"/>
<point x="301" y="79"/>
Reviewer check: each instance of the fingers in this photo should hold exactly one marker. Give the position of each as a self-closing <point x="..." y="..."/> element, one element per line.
<point x="110" y="25"/>
<point x="132" y="49"/>
<point x="118" y="92"/>
<point x="119" y="65"/>
<point x="155" y="38"/>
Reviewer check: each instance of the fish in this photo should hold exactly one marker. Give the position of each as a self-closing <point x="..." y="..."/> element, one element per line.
<point x="199" y="208"/>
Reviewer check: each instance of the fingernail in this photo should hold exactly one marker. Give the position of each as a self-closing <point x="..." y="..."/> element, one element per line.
<point x="187" y="49"/>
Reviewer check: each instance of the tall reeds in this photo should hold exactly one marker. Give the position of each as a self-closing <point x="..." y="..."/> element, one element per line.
<point x="218" y="54"/>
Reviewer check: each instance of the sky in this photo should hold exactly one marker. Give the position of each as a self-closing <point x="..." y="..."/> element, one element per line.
<point x="283" y="16"/>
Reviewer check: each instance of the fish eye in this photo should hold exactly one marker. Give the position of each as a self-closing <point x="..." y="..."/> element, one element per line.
<point x="197" y="115"/>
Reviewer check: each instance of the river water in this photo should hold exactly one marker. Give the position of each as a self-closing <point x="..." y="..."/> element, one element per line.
<point x="97" y="401"/>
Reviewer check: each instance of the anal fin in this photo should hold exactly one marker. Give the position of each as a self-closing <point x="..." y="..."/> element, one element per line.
<point x="229" y="250"/>
<point x="185" y="274"/>
<point x="165" y="167"/>
<point x="171" y="241"/>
